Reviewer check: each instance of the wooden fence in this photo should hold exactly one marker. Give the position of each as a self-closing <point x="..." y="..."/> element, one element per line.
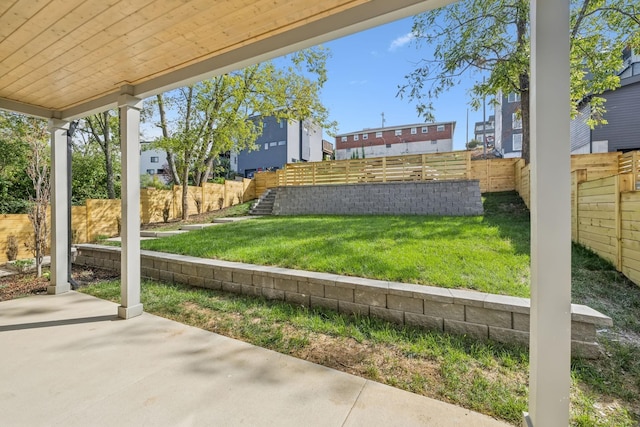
<point x="102" y="217"/>
<point x="494" y="175"/>
<point x="606" y="219"/>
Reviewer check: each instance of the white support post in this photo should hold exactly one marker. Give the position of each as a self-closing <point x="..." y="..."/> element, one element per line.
<point x="550" y="342"/>
<point x="130" y="231"/>
<point x="59" y="208"/>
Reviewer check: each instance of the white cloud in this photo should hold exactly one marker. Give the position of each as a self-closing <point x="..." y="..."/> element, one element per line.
<point x="401" y="41"/>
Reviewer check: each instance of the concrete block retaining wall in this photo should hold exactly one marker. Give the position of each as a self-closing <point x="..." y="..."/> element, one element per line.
<point x="480" y="315"/>
<point x="397" y="198"/>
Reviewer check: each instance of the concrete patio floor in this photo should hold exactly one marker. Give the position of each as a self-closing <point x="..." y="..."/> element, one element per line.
<point x="67" y="360"/>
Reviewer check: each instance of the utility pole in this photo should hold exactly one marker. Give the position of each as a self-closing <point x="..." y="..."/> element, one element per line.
<point x="382" y="114"/>
<point x="466" y="145"/>
<point x="484" y="124"/>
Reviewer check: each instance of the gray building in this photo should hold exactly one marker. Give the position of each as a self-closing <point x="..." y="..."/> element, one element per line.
<point x="485" y="129"/>
<point x="508" y="125"/>
<point x="622" y="131"/>
<point x="282" y="141"/>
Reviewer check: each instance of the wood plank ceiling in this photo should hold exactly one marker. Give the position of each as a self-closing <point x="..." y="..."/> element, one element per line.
<point x="57" y="54"/>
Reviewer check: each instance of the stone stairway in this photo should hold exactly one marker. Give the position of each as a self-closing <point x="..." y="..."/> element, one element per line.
<point x="264" y="205"/>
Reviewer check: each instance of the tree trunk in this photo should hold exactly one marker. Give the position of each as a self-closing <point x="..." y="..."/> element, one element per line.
<point x="106" y="134"/>
<point x="525" y="112"/>
<point x="523" y="81"/>
<point x="185" y="192"/>
<point x="165" y="134"/>
<point x="172" y="167"/>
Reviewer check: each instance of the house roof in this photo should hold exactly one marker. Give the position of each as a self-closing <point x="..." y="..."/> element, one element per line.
<point x="67" y="58"/>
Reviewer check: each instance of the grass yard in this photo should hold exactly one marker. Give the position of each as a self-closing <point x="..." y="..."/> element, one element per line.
<point x="488" y="253"/>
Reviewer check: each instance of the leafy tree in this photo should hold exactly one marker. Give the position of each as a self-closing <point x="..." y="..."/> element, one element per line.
<point x="14" y="182"/>
<point x="103" y="129"/>
<point x="492" y="38"/>
<point x="37" y="136"/>
<point x="201" y="121"/>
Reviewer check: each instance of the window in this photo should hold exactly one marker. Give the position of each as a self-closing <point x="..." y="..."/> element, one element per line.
<point x="282" y="142"/>
<point x="154" y="159"/>
<point x="398" y="132"/>
<point x="266" y="146"/>
<point x="425" y="129"/>
<point x="440" y="128"/>
<point x="414" y="131"/>
<point x="273" y="144"/>
<point x="434" y="142"/>
<point x="160" y="171"/>
<point x="281" y="123"/>
<point x="388" y="145"/>
<point x="516" y="122"/>
<point x="343" y="139"/>
<point x="356" y="137"/>
<point x="513" y="97"/>
<point x="365" y="136"/>
<point x="517" y="142"/>
<point x="378" y="134"/>
<point x="151" y="171"/>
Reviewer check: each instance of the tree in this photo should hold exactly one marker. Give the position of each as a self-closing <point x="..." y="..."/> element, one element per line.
<point x="201" y="121"/>
<point x="14" y="182"/>
<point x="492" y="38"/>
<point x="37" y="137"/>
<point x="102" y="129"/>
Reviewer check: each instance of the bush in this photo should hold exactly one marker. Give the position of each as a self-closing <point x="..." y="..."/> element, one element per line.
<point x="12" y="247"/>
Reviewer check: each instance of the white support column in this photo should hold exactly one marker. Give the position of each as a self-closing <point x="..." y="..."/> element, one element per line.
<point x="130" y="232"/>
<point x="59" y="208"/>
<point x="550" y="352"/>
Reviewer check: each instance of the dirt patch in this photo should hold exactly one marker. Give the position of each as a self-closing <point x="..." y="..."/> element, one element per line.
<point x="20" y="285"/>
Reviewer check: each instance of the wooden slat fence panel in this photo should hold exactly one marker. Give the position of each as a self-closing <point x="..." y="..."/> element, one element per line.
<point x="420" y="167"/>
<point x="630" y="163"/>
<point x="630" y="234"/>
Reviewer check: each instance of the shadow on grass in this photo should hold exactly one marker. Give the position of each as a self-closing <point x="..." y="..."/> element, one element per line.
<point x="507" y="212"/>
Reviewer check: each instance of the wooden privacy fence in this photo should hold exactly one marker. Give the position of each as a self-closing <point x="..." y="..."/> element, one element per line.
<point x="606" y="218"/>
<point x="419" y="167"/>
<point x="102" y="217"/>
<point x="494" y="175"/>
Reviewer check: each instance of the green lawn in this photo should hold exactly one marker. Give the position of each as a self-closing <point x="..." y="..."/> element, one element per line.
<point x="488" y="253"/>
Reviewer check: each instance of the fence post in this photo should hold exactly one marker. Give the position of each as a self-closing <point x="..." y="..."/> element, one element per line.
<point x="635" y="168"/>
<point x="384" y="169"/>
<point x="424" y="167"/>
<point x="347" y="171"/>
<point x="314" y="173"/>
<point x="580" y="177"/>
<point x="468" y="172"/>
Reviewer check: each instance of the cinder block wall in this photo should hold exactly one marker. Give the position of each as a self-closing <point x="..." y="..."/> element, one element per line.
<point x="419" y="198"/>
<point x="480" y="315"/>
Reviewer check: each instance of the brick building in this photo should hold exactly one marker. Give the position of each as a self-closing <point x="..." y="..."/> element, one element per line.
<point x="421" y="138"/>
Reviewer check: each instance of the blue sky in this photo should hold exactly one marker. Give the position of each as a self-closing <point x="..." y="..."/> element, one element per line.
<point x="364" y="73"/>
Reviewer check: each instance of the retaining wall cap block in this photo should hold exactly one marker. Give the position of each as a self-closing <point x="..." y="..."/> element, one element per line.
<point x="583" y="313"/>
<point x="404" y="289"/>
<point x="465" y="297"/>
<point x="507" y="303"/>
<point x="433" y="293"/>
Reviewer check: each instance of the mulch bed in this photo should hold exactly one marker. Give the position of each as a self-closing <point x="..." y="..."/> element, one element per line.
<point x="25" y="284"/>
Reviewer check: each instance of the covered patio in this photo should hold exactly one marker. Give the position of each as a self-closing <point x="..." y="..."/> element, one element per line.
<point x="62" y="60"/>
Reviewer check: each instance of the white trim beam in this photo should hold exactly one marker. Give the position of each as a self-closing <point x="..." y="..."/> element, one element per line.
<point x="130" y="201"/>
<point x="550" y="338"/>
<point x="59" y="209"/>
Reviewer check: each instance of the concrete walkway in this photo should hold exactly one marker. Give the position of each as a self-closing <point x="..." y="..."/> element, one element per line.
<point x="66" y="360"/>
